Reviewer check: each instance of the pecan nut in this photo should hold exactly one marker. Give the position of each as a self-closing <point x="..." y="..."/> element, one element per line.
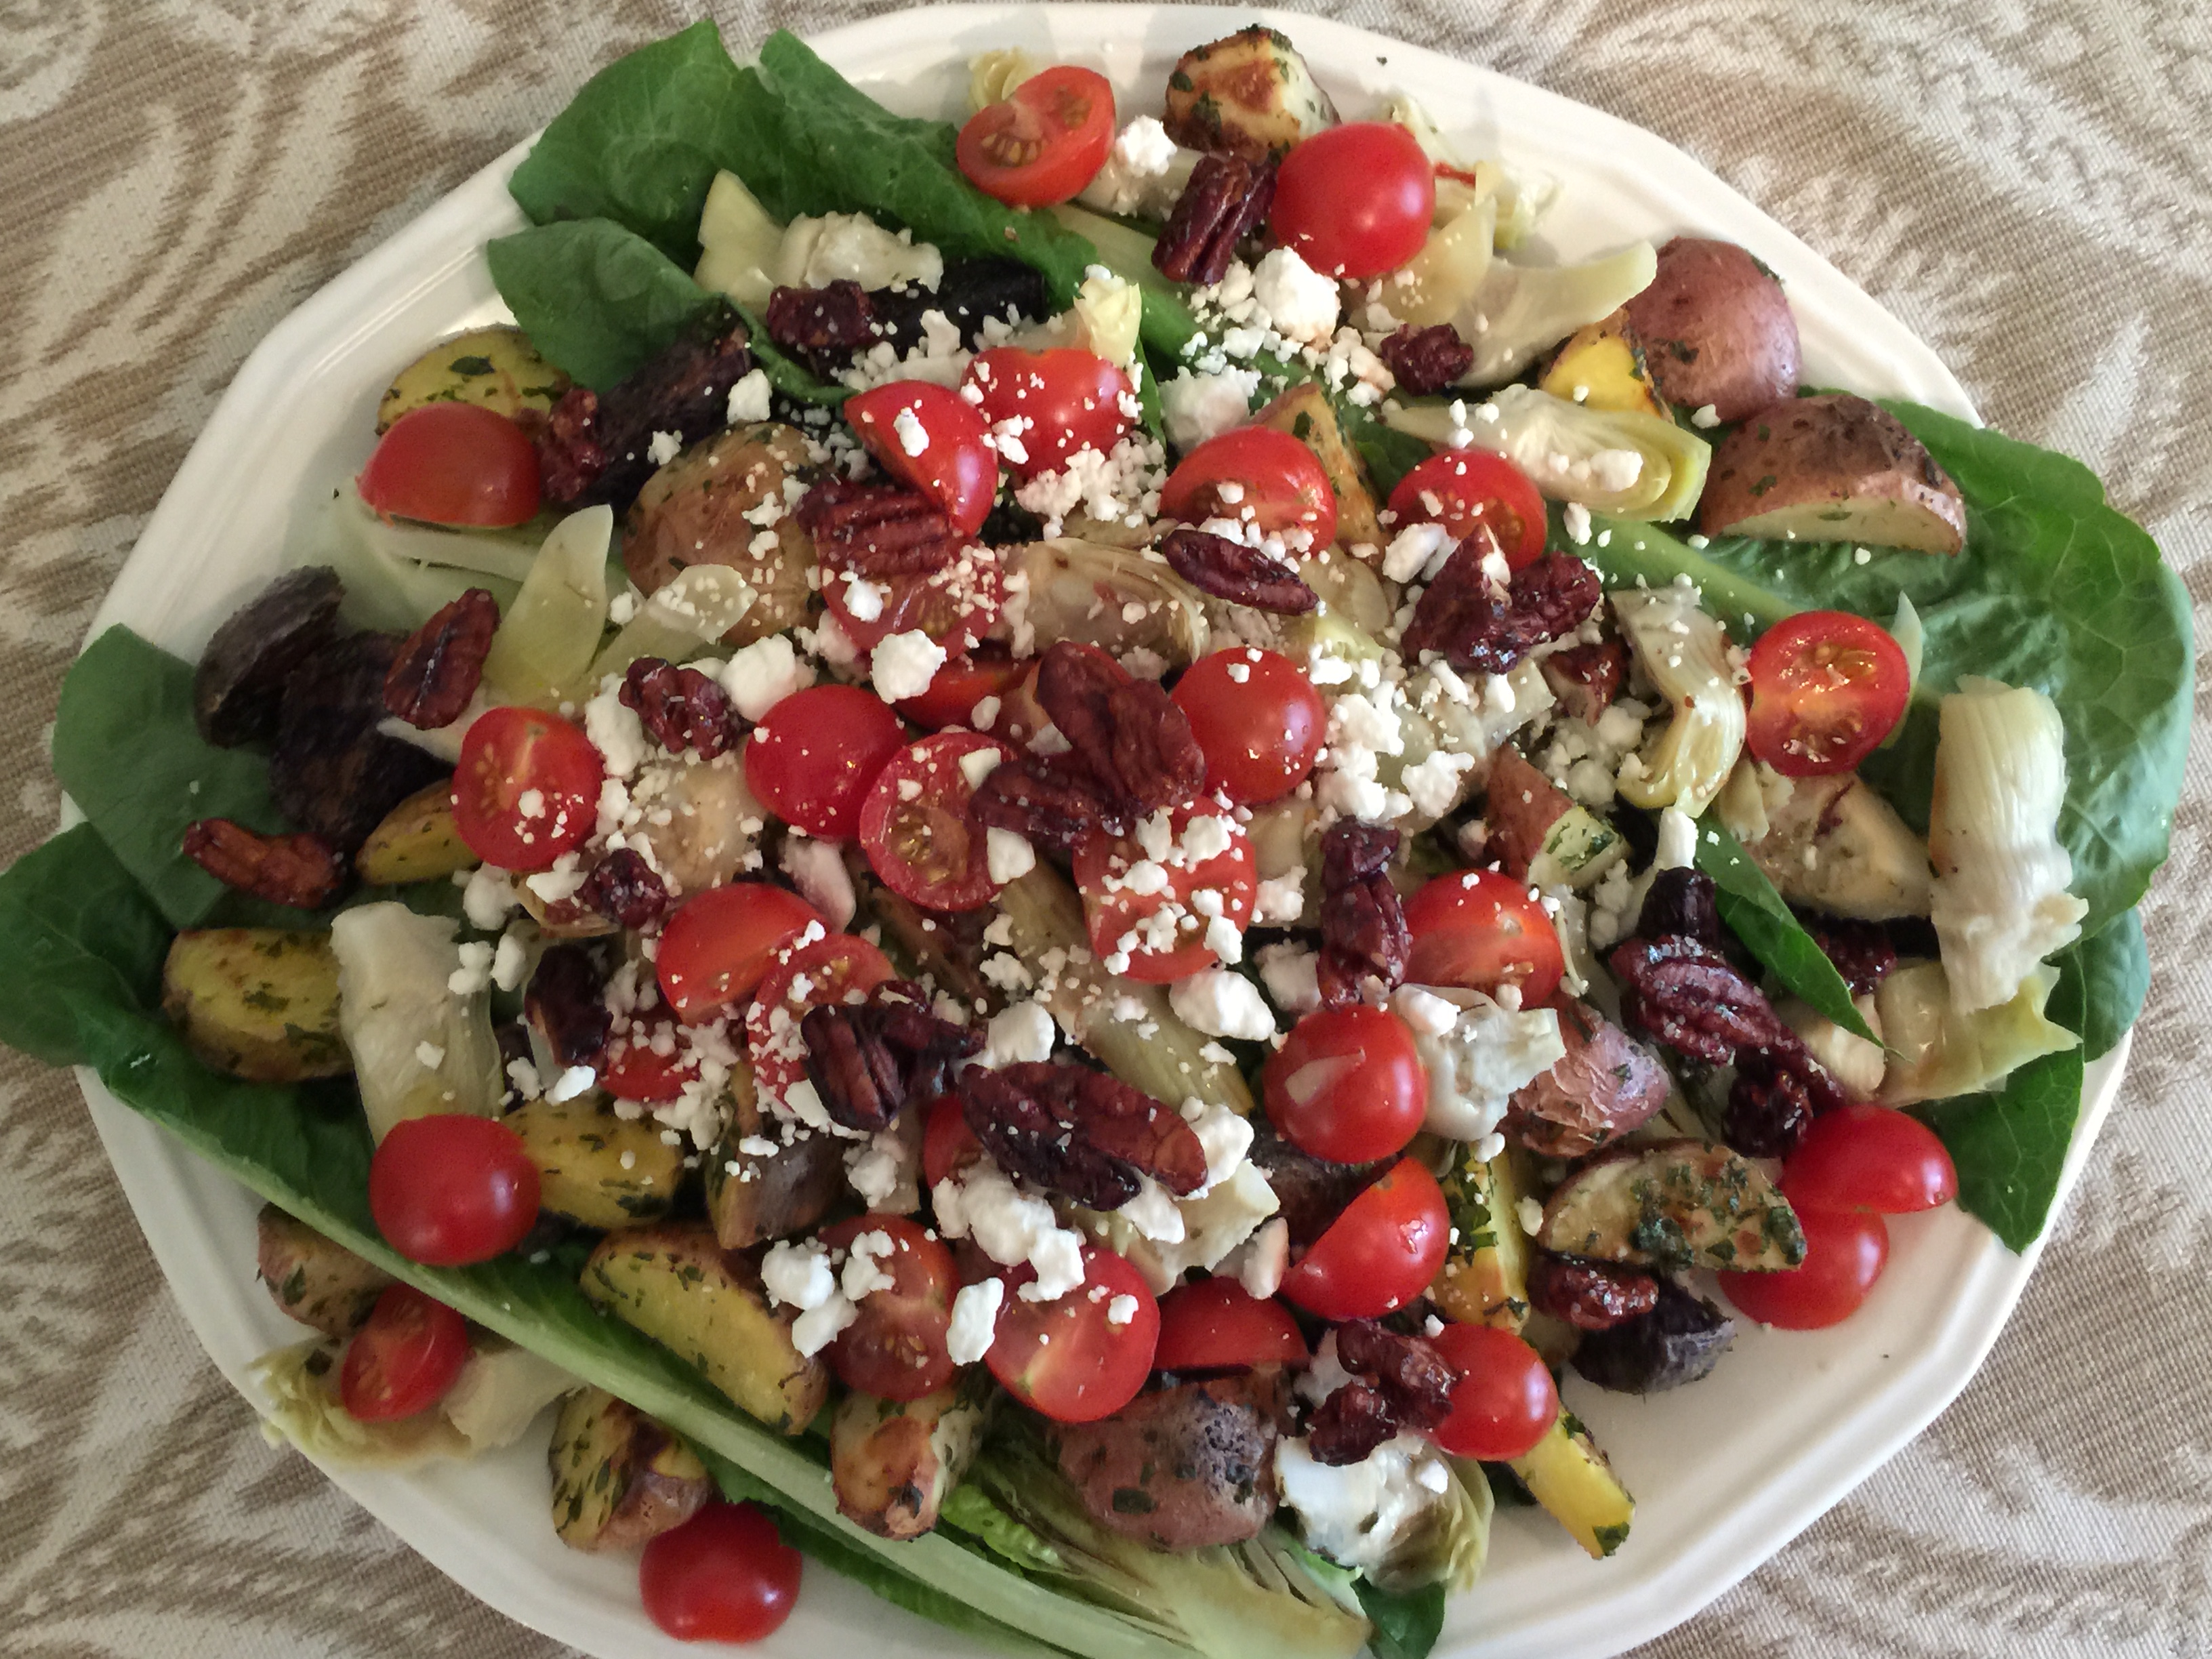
<point x="566" y="1003"/>
<point x="1586" y="678"/>
<point x="1242" y="575"/>
<point x="1591" y="1296"/>
<point x="1693" y="999"/>
<point x="1365" y="940"/>
<point x="303" y="871"/>
<point x="877" y="530"/>
<point x="1425" y="360"/>
<point x="439" y="668"/>
<point x="624" y="887"/>
<point x="1137" y="742"/>
<point x="1078" y="1131"/>
<point x="1050" y="800"/>
<point x="866" y="1060"/>
<point x="1462" y="619"/>
<point x="824" y="327"/>
<point x="1225" y="201"/>
<point x="1400" y="1384"/>
<point x="681" y="708"/>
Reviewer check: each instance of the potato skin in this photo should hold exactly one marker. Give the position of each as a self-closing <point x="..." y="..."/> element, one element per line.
<point x="771" y="1195"/>
<point x="313" y="1278"/>
<point x="692" y="512"/>
<point x="238" y="688"/>
<point x="893" y="1462"/>
<point x="417" y="840"/>
<point x="1717" y="329"/>
<point x="618" y="1477"/>
<point x="495" y="368"/>
<point x="578" y="1150"/>
<point x="1605" y="1085"/>
<point x="1831" y="468"/>
<point x="259" y="1003"/>
<point x="1183" y="1467"/>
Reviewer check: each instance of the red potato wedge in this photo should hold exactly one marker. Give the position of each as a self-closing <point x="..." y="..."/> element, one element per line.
<point x="1717" y="329"/>
<point x="1835" y="468"/>
<point x="1673" y="1204"/>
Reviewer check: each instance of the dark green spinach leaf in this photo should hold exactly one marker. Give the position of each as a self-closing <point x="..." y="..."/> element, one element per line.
<point x="1755" y="914"/>
<point x="1407" y="1622"/>
<point x="2115" y="978"/>
<point x="597" y="299"/>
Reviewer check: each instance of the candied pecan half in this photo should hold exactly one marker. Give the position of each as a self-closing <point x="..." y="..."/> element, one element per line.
<point x="303" y="871"/>
<point x="1052" y="800"/>
<point x="1400" y="1383"/>
<point x="1136" y="741"/>
<point x="867" y="1059"/>
<point x="1586" y="678"/>
<point x="1861" y="950"/>
<point x="1591" y="1296"/>
<point x="1427" y="359"/>
<point x="1080" y="1132"/>
<point x="1363" y="937"/>
<point x="1242" y="575"/>
<point x="439" y="668"/>
<point x="1460" y="617"/>
<point x="567" y="1002"/>
<point x="877" y="530"/>
<point x="598" y="446"/>
<point x="1693" y="999"/>
<point x="681" y="708"/>
<point x="823" y="327"/>
<point x="1226" y="199"/>
<point x="1680" y="904"/>
<point x="624" y="887"/>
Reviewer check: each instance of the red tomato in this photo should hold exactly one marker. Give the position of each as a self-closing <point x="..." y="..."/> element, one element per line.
<point x="1826" y="687"/>
<point x="1275" y="480"/>
<point x="404" y="1360"/>
<point x="450" y="1189"/>
<point x="1347" y="1085"/>
<point x="1383" y="1252"/>
<point x="1505" y="1400"/>
<point x="915" y="828"/>
<point x="1471" y="488"/>
<point x="1355" y="200"/>
<point x="1070" y="1358"/>
<point x="953" y="464"/>
<point x="726" y="1575"/>
<point x="1043" y="143"/>
<point x="1870" y="1158"/>
<point x="1216" y="1324"/>
<point x="1020" y="715"/>
<point x="813" y="755"/>
<point x="895" y="1349"/>
<point x="1479" y="930"/>
<point x="956" y="606"/>
<point x="1162" y="934"/>
<point x="1257" y="719"/>
<point x="646" y="1062"/>
<point x="959" y="688"/>
<point x="1067" y="399"/>
<point x="805" y="977"/>
<point x="718" y="944"/>
<point x="458" y="464"/>
<point x="947" y="1143"/>
<point x="526" y="788"/>
<point x="1844" y="1252"/>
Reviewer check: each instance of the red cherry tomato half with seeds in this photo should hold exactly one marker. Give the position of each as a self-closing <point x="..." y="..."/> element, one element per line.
<point x="961" y="690"/>
<point x="726" y="1575"/>
<point x="1084" y="1355"/>
<point x="915" y="827"/>
<point x="1470" y="489"/>
<point x="452" y="463"/>
<point x="1044" y="142"/>
<point x="1826" y="687"/>
<point x="1258" y="474"/>
<point x="1151" y="913"/>
<point x="948" y="1145"/>
<point x="1870" y="1158"/>
<point x="895" y="1348"/>
<point x="955" y="606"/>
<point x="1355" y="200"/>
<point x="1846" y="1251"/>
<point x="1066" y="399"/>
<point x="647" y="1062"/>
<point x="928" y="437"/>
<point x="1257" y="719"/>
<point x="813" y="755"/>
<point x="1383" y="1251"/>
<point x="1347" y="1085"/>
<point x="404" y="1360"/>
<point x="450" y="1189"/>
<point x="817" y="976"/>
<point x="1479" y="930"/>
<point x="1505" y="1400"/>
<point x="717" y="947"/>
<point x="526" y="788"/>
<point x="1216" y="1324"/>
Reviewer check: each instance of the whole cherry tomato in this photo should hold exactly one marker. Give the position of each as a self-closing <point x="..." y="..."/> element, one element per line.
<point x="1065" y="399"/>
<point x="1379" y="1255"/>
<point x="1479" y="930"/>
<point x="1085" y="1355"/>
<point x="814" y="756"/>
<point x="1257" y="719"/>
<point x="1870" y="1158"/>
<point x="1216" y="1323"/>
<point x="1258" y="474"/>
<point x="726" y="1575"/>
<point x="1355" y="200"/>
<point x="928" y="437"/>
<point x="1347" y="1085"/>
<point x="1505" y="1400"/>
<point x="1846" y="1251"/>
<point x="449" y="1189"/>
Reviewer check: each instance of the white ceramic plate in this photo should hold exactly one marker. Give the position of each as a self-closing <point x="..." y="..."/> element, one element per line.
<point x="1725" y="1473"/>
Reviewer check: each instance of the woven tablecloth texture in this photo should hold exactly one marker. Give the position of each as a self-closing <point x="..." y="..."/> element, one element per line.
<point x="2025" y="182"/>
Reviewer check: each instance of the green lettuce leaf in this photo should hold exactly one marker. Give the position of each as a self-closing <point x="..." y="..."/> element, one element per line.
<point x="1755" y="914"/>
<point x="1407" y="1622"/>
<point x="595" y="297"/>
<point x="2115" y="978"/>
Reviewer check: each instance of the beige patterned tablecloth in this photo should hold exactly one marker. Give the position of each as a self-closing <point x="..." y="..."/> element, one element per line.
<point x="2024" y="181"/>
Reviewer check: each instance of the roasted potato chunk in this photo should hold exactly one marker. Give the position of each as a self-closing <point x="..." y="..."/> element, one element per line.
<point x="416" y="842"/>
<point x="892" y="1462"/>
<point x="675" y="1284"/>
<point x="1835" y="468"/>
<point x="259" y="1003"/>
<point x="1717" y="329"/>
<point x="1306" y="414"/>
<point x="693" y="511"/>
<point x="1485" y="1279"/>
<point x="1679" y="1340"/>
<point x="1568" y="1476"/>
<point x="239" y="687"/>
<point x="1672" y="1204"/>
<point x="1605" y="1084"/>
<point x="1603" y="367"/>
<point x="595" y="1168"/>
<point x="495" y="368"/>
<point x="769" y="1196"/>
<point x="1250" y="95"/>
<point x="1183" y="1467"/>
<point x="618" y="1477"/>
<point x="313" y="1278"/>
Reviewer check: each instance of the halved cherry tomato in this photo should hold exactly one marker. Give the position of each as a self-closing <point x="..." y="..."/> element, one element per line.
<point x="1216" y="1323"/>
<point x="1259" y="475"/>
<point x="449" y="1189"/>
<point x="948" y="1145"/>
<point x="1160" y="929"/>
<point x="956" y="606"/>
<point x="526" y="788"/>
<point x="960" y="689"/>
<point x="895" y="1349"/>
<point x="726" y="1575"/>
<point x="456" y="463"/>
<point x="1257" y="719"/>
<point x="1066" y="399"/>
<point x="1870" y="1158"/>
<point x="803" y="976"/>
<point x="718" y="944"/>
<point x="1505" y="1400"/>
<point x="1379" y="1255"/>
<point x="404" y="1360"/>
<point x="1846" y="1251"/>
<point x="1073" y="1358"/>
<point x="928" y="436"/>
<point x="1469" y="487"/>
<point x="1826" y="687"/>
<point x="1355" y="200"/>
<point x="914" y="825"/>
<point x="637" y="1068"/>
<point x="813" y="755"/>
<point x="1480" y="929"/>
<point x="1347" y="1085"/>
<point x="1043" y="143"/>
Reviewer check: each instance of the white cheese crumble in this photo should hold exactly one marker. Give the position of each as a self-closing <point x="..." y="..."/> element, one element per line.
<point x="1197" y="407"/>
<point x="1289" y="972"/>
<point x="1121" y="1310"/>
<point x="817" y="869"/>
<point x="975" y="1320"/>
<point x="1280" y="900"/>
<point x="982" y="1203"/>
<point x="761" y="675"/>
<point x="1024" y="1032"/>
<point x="1261" y="1261"/>
<point x="748" y="399"/>
<point x="903" y="665"/>
<point x="1219" y="1003"/>
<point x="488" y="898"/>
<point x="913" y="438"/>
<point x="665" y="448"/>
<point x="615" y="730"/>
<point x="1475" y="1065"/>
<point x="1143" y="173"/>
<point x="1302" y="303"/>
<point x="1007" y="855"/>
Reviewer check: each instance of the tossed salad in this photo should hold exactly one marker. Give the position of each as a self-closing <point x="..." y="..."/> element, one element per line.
<point x="1041" y="856"/>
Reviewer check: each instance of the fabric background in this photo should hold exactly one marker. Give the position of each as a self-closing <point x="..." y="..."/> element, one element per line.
<point x="2023" y="181"/>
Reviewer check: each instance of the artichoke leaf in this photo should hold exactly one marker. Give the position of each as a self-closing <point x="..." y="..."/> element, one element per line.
<point x="1938" y="1051"/>
<point x="1123" y="600"/>
<point x="1616" y="461"/>
<point x="1686" y="654"/>
<point x="1519" y="312"/>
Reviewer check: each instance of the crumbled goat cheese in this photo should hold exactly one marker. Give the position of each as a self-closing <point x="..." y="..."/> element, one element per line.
<point x="1219" y="1003"/>
<point x="510" y="961"/>
<point x="1121" y="1310"/>
<point x="1434" y="785"/>
<point x="1197" y="407"/>
<point x="1477" y="1063"/>
<point x="1153" y="1213"/>
<point x="488" y="898"/>
<point x="474" y="972"/>
<point x="761" y="675"/>
<point x="797" y="1274"/>
<point x="1024" y="1032"/>
<point x="975" y="1321"/>
<point x="1280" y="900"/>
<point x="1290" y="975"/>
<point x="913" y="438"/>
<point x="1301" y="302"/>
<point x="616" y="732"/>
<point x="1576" y="518"/>
<point x="665" y="448"/>
<point x="904" y="665"/>
<point x="1412" y="548"/>
<point x="748" y="399"/>
<point x="981" y="1202"/>
<point x="817" y="869"/>
<point x="1261" y="1260"/>
<point x="1007" y="855"/>
<point x="862" y="1276"/>
<point x="1704" y="416"/>
<point x="1143" y="174"/>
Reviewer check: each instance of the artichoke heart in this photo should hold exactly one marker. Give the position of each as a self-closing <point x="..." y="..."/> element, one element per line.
<point x="1616" y="461"/>
<point x="1685" y="653"/>
<point x="1124" y="599"/>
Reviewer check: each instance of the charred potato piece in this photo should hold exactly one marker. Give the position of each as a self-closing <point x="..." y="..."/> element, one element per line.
<point x="1605" y="1084"/>
<point x="1183" y="1467"/>
<point x="1672" y="1204"/>
<point x="892" y="1462"/>
<point x="676" y="1284"/>
<point x="1717" y="329"/>
<point x="1603" y="367"/>
<point x="259" y="1003"/>
<point x="418" y="841"/>
<point x="693" y="511"/>
<point x="314" y="1280"/>
<point x="769" y="1196"/>
<point x="618" y="1477"/>
<point x="1305" y="413"/>
<point x="1568" y="1476"/>
<point x="333" y="772"/>
<point x="1250" y="95"/>
<point x="238" y="686"/>
<point x="495" y="368"/>
<point x="1679" y="1341"/>
<point x="1485" y="1279"/>
<point x="595" y="1168"/>
<point x="1834" y="468"/>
